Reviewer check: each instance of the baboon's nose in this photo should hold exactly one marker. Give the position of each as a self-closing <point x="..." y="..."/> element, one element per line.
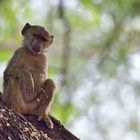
<point x="36" y="49"/>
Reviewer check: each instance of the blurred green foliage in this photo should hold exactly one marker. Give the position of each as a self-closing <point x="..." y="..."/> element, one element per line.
<point x="5" y="55"/>
<point x="92" y="60"/>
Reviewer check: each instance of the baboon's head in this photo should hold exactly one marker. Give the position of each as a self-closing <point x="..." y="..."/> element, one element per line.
<point x="36" y="38"/>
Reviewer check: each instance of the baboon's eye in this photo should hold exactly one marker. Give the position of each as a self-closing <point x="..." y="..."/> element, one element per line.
<point x="39" y="37"/>
<point x="43" y="39"/>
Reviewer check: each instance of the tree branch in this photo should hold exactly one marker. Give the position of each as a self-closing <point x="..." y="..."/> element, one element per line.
<point x="14" y="126"/>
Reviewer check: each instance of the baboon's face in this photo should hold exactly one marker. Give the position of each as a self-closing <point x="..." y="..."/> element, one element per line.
<point x="36" y="38"/>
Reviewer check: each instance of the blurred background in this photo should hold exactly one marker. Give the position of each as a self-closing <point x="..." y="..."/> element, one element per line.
<point x="95" y="61"/>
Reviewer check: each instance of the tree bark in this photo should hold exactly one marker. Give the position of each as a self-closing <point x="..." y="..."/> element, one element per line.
<point x="14" y="126"/>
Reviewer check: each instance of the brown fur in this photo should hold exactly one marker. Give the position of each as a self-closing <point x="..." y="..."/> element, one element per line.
<point x="26" y="87"/>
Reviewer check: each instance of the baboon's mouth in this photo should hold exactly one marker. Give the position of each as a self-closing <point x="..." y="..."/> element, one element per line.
<point x="36" y="49"/>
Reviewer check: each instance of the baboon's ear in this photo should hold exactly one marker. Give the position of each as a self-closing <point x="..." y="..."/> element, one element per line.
<point x="25" y="28"/>
<point x="52" y="38"/>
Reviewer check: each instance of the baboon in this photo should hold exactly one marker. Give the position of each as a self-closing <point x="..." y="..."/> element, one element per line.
<point x="26" y="88"/>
